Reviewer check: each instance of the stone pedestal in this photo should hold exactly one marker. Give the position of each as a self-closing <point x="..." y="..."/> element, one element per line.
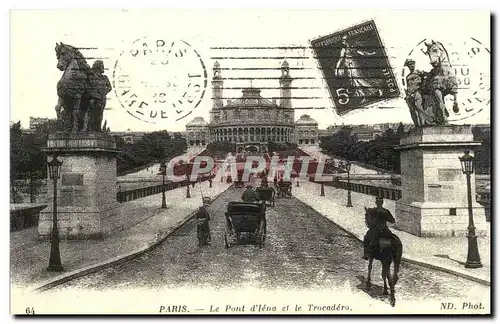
<point x="434" y="189"/>
<point x="86" y="191"/>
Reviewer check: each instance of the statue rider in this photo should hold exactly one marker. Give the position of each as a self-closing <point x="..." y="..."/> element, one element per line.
<point x="377" y="226"/>
<point x="413" y="96"/>
<point x="101" y="87"/>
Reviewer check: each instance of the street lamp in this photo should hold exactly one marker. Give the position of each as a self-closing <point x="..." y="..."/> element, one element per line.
<point x="473" y="258"/>
<point x="188" y="194"/>
<point x="348" y="169"/>
<point x="55" y="254"/>
<point x="163" y="171"/>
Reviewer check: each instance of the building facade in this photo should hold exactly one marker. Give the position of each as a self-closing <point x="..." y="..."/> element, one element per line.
<point x="251" y="121"/>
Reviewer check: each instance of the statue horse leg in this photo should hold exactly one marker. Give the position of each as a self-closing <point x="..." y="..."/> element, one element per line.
<point x="440" y="101"/>
<point x="76" y="112"/>
<point x="455" y="103"/>
<point x="87" y="118"/>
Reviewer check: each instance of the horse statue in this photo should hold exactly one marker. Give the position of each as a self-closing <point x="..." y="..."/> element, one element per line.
<point x="426" y="90"/>
<point x="389" y="252"/>
<point x="81" y="90"/>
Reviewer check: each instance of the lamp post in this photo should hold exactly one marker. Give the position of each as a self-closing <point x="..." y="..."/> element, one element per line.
<point x="163" y="171"/>
<point x="473" y="258"/>
<point x="55" y="254"/>
<point x="348" y="169"/>
<point x="188" y="194"/>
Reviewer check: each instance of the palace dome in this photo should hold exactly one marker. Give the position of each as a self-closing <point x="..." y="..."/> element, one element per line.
<point x="306" y="120"/>
<point x="197" y="121"/>
<point x="251" y="98"/>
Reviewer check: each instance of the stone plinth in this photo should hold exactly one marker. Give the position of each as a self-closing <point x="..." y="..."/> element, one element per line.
<point x="434" y="189"/>
<point x="86" y="190"/>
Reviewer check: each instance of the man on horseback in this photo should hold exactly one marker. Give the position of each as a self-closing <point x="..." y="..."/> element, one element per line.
<point x="377" y="227"/>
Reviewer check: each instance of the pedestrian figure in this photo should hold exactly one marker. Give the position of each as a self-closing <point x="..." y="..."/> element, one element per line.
<point x="203" y="228"/>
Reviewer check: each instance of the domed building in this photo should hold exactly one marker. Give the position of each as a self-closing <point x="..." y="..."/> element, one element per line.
<point x="197" y="132"/>
<point x="307" y="130"/>
<point x="251" y="121"/>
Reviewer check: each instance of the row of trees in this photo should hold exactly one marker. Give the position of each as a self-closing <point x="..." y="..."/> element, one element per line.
<point x="380" y="151"/>
<point x="27" y="160"/>
<point x="483" y="153"/>
<point x="151" y="148"/>
<point x="28" y="163"/>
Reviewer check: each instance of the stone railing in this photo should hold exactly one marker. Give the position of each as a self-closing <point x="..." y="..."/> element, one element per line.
<point x="386" y="193"/>
<point x="128" y="195"/>
<point x="24" y="215"/>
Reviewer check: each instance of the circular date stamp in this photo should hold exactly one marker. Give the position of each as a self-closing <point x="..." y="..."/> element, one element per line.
<point x="157" y="78"/>
<point x="470" y="62"/>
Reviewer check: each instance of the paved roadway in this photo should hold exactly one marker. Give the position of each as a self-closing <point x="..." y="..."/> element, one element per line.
<point x="303" y="250"/>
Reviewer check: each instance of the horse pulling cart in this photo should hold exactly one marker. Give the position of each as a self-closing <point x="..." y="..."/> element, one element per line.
<point x="285" y="189"/>
<point x="245" y="219"/>
<point x="266" y="195"/>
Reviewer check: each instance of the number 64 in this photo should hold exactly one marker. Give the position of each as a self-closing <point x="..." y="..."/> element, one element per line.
<point x="343" y="96"/>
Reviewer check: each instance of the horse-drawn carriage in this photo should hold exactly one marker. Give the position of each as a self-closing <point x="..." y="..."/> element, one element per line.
<point x="266" y="194"/>
<point x="245" y="220"/>
<point x="285" y="189"/>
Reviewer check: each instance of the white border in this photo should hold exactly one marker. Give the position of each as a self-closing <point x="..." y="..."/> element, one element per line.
<point x="58" y="4"/>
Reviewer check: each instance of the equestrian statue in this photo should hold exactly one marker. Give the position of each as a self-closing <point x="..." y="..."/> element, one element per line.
<point x="426" y="91"/>
<point x="81" y="90"/>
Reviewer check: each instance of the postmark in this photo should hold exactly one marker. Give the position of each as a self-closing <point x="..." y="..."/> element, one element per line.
<point x="355" y="67"/>
<point x="158" y="78"/>
<point x="467" y="59"/>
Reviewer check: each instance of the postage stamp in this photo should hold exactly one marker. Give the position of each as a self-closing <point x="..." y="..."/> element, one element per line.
<point x="157" y="78"/>
<point x="355" y="67"/>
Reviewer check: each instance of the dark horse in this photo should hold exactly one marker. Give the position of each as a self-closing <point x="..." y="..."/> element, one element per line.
<point x="388" y="251"/>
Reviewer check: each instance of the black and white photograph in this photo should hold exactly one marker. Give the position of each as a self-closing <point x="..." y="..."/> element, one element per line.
<point x="250" y="162"/>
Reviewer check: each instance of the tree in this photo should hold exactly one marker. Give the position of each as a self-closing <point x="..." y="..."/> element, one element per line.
<point x="378" y="152"/>
<point x="151" y="148"/>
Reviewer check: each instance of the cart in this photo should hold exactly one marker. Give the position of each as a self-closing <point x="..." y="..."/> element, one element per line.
<point x="285" y="189"/>
<point x="266" y="195"/>
<point x="245" y="222"/>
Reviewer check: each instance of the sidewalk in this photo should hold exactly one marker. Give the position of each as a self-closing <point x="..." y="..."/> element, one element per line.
<point x="447" y="253"/>
<point x="29" y="256"/>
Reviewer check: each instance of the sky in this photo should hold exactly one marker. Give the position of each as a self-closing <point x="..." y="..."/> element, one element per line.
<point x="110" y="34"/>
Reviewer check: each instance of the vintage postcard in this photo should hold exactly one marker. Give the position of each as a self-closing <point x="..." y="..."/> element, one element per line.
<point x="250" y="162"/>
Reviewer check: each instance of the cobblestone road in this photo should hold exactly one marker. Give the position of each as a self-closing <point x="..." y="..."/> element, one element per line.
<point x="303" y="250"/>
